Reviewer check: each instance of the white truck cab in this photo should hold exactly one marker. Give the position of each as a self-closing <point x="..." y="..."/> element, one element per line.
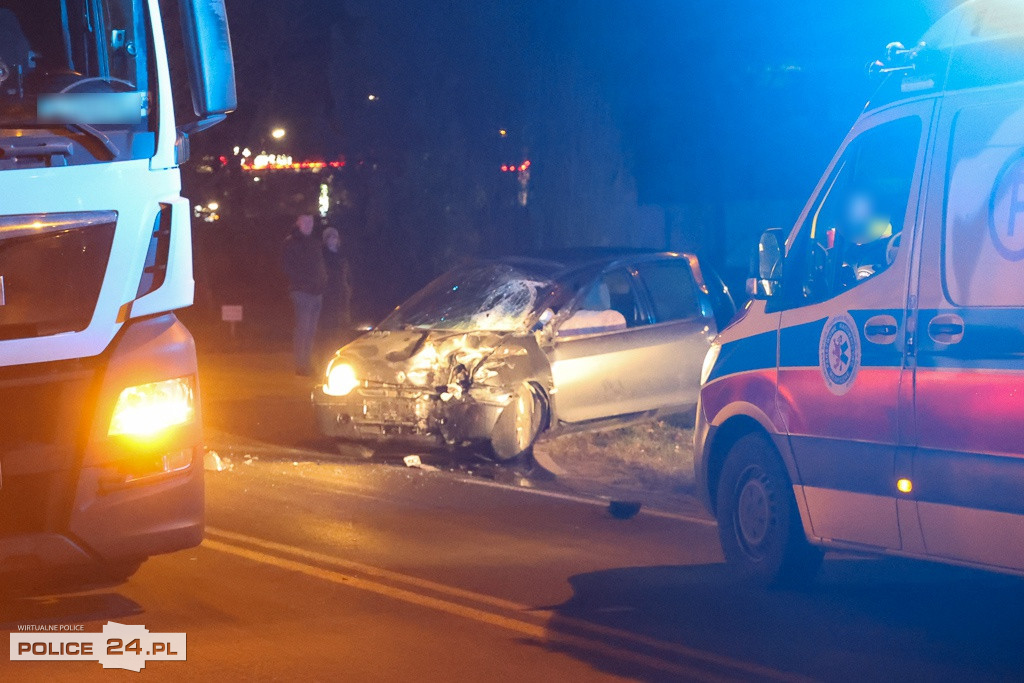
<point x="100" y="451"/>
<point x="870" y="398"/>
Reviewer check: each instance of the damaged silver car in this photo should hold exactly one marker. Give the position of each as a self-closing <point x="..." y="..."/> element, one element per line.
<point x="492" y="355"/>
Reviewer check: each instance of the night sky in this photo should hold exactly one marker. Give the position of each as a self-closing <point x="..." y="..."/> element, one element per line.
<point x="688" y="83"/>
<point x="659" y="124"/>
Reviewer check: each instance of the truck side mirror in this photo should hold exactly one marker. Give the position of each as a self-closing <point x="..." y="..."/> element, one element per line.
<point x="766" y="265"/>
<point x="211" y="70"/>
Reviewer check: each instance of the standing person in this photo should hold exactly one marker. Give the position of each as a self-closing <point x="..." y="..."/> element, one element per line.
<point x="336" y="294"/>
<point x="307" y="277"/>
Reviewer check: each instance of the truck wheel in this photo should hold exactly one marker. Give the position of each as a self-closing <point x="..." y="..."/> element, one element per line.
<point x="758" y="521"/>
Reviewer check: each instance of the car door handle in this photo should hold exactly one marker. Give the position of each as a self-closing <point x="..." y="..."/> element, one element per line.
<point x="947" y="328"/>
<point x="881" y="329"/>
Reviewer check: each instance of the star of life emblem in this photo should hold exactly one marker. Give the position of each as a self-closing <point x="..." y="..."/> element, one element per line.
<point x="839" y="353"/>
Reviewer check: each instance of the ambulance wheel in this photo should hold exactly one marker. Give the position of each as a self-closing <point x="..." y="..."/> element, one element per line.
<point x="758" y="521"/>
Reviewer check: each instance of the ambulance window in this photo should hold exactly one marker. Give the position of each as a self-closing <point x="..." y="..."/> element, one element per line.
<point x="853" y="233"/>
<point x="672" y="291"/>
<point x="983" y="260"/>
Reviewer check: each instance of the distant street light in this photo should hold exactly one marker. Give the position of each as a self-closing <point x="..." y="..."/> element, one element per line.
<point x="278" y="133"/>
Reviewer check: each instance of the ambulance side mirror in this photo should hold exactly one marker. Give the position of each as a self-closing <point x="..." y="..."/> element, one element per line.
<point x="766" y="265"/>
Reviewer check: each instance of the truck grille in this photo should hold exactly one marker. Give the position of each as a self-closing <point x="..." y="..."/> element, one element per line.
<point x="45" y="411"/>
<point x="51" y="271"/>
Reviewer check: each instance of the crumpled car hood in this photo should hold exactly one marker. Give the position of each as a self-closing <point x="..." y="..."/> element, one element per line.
<point x="421" y="358"/>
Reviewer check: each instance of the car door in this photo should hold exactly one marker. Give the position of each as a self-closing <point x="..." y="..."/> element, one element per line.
<point x="614" y="367"/>
<point x="840" y="350"/>
<point x="968" y="465"/>
<point x="681" y="330"/>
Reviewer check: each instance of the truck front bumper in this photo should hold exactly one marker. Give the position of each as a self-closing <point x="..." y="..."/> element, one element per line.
<point x="74" y="497"/>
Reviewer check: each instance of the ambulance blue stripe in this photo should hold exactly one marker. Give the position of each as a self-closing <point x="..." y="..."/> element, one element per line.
<point x="842" y="465"/>
<point x="993" y="340"/>
<point x="800" y="342"/>
<point x="973" y="480"/>
<point x="799" y="348"/>
<point x="756" y="352"/>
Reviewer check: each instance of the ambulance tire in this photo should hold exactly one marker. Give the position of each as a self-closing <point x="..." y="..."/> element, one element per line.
<point x="758" y="522"/>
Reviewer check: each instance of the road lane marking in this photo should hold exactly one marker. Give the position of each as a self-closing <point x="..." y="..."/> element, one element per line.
<point x="367" y="569"/>
<point x="525" y="628"/>
<point x="705" y="658"/>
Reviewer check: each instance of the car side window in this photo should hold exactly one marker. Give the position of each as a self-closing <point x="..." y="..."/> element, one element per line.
<point x="672" y="291"/>
<point x="614" y="292"/>
<point x="853" y="232"/>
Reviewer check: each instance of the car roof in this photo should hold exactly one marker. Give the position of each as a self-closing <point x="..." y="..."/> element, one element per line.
<point x="559" y="262"/>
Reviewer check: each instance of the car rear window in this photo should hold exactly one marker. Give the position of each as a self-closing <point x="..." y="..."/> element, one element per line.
<point x="671" y="288"/>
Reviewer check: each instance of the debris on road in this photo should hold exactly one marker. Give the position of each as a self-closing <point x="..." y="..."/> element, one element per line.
<point x="212" y="462"/>
<point x="415" y="461"/>
<point x="623" y="509"/>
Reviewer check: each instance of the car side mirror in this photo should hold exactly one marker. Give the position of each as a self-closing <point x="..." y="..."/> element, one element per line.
<point x="766" y="265"/>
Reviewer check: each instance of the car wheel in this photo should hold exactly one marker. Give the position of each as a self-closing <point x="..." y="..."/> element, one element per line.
<point x="354" y="451"/>
<point x="519" y="425"/>
<point x="758" y="521"/>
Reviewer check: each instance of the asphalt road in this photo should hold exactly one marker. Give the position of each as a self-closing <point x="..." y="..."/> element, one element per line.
<point x="315" y="569"/>
<point x="328" y="571"/>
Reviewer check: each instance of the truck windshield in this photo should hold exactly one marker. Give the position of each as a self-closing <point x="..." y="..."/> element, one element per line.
<point x="52" y="52"/>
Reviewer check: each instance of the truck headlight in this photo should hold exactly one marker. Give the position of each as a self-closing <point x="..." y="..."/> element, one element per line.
<point x="709" y="362"/>
<point x="145" y="410"/>
<point x="341" y="379"/>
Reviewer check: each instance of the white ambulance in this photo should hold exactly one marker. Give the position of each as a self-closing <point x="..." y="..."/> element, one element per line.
<point x="871" y="397"/>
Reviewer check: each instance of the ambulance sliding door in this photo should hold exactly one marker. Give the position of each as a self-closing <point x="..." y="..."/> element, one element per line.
<point x="968" y="464"/>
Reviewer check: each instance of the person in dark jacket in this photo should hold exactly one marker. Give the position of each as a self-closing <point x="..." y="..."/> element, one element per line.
<point x="307" y="278"/>
<point x="335" y="320"/>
